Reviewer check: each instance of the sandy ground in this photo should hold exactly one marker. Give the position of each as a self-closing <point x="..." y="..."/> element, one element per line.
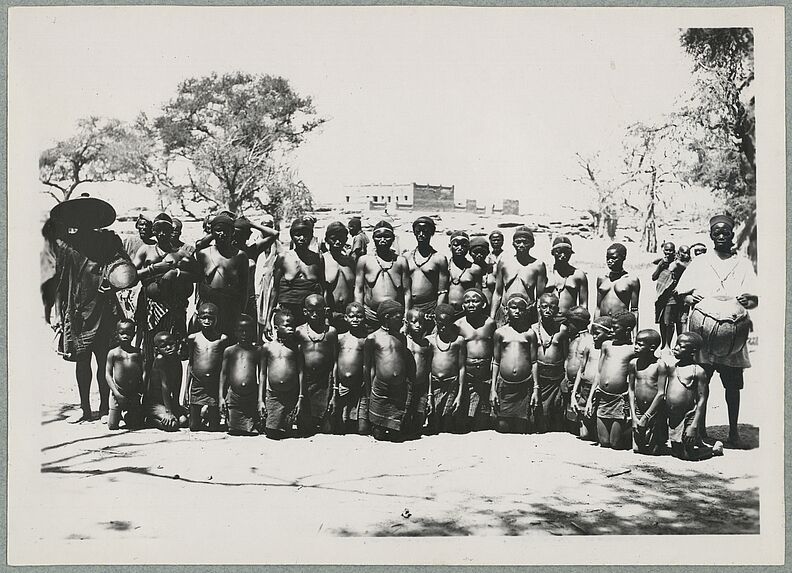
<point x="126" y="490"/>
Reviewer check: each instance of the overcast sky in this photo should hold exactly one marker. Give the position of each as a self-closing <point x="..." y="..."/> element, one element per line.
<point x="494" y="101"/>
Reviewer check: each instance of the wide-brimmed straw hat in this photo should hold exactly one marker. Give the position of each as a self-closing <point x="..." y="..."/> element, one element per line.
<point x="84" y="213"/>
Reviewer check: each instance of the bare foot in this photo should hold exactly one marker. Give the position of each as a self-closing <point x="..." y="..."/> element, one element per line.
<point x="80" y="418"/>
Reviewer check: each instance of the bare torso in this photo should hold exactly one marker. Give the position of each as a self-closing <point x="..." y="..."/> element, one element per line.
<point x="283" y="366"/>
<point x="350" y="359"/>
<point x="241" y="369"/>
<point x="478" y="339"/>
<point x="206" y="358"/>
<point x="515" y="354"/>
<point x="614" y="366"/>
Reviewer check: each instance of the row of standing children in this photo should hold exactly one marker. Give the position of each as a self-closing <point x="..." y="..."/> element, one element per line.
<point x="411" y="376"/>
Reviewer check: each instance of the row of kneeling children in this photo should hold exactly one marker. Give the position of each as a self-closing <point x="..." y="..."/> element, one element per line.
<point x="413" y="376"/>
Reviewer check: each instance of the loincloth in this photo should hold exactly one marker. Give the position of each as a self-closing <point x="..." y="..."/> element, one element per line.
<point x="125" y="404"/>
<point x="612" y="406"/>
<point x="204" y="392"/>
<point x="444" y="392"/>
<point x="349" y="401"/>
<point x="514" y="398"/>
<point x="676" y="433"/>
<point x="317" y="390"/>
<point x="655" y="434"/>
<point x="388" y="403"/>
<point x="243" y="414"/>
<point x="280" y="407"/>
<point x="478" y="378"/>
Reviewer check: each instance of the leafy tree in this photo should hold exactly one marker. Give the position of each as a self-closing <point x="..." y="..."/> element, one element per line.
<point x="95" y="153"/>
<point x="227" y="130"/>
<point x="720" y="117"/>
<point x="602" y="176"/>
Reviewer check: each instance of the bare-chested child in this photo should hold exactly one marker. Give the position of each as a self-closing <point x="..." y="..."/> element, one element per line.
<point x="647" y="380"/>
<point x="318" y="344"/>
<point x="124" y="375"/>
<point x="205" y="353"/>
<point x="569" y="284"/>
<point x="478" y="329"/>
<point x="339" y="269"/>
<point x="389" y="373"/>
<point x="346" y="404"/>
<point x="577" y="321"/>
<point x="462" y="273"/>
<point x="383" y="275"/>
<point x="161" y="399"/>
<point x="420" y="404"/>
<point x="590" y="350"/>
<point x="521" y="273"/>
<point x="686" y="396"/>
<point x="479" y="254"/>
<point x="239" y="380"/>
<point x="618" y="291"/>
<point x="447" y="377"/>
<point x="551" y="340"/>
<point x="428" y="270"/>
<point x="512" y="373"/>
<point x="280" y="375"/>
<point x="609" y="395"/>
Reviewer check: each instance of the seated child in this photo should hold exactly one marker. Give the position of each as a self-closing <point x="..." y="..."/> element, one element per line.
<point x="686" y="396"/>
<point x="512" y="358"/>
<point x="550" y="339"/>
<point x="577" y="321"/>
<point x="124" y="375"/>
<point x="477" y="328"/>
<point x="280" y="374"/>
<point x="610" y="386"/>
<point x="447" y="371"/>
<point x="590" y="351"/>
<point x="647" y="380"/>
<point x="318" y="343"/>
<point x="239" y="380"/>
<point x="161" y="406"/>
<point x="419" y="347"/>
<point x="205" y="352"/>
<point x="389" y="371"/>
<point x="348" y="390"/>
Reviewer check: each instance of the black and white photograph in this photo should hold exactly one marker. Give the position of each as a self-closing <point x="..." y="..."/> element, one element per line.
<point x="396" y="285"/>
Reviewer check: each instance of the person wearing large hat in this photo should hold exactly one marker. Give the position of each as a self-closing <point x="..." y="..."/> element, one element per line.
<point x="726" y="274"/>
<point x="82" y="265"/>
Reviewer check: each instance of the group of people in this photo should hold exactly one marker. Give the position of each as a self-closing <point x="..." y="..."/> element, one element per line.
<point x="343" y="338"/>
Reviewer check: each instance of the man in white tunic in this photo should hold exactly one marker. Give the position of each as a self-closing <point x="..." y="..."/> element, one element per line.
<point x="722" y="272"/>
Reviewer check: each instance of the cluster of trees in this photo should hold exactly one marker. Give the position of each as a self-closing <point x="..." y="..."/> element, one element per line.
<point x="708" y="141"/>
<point x="222" y="141"/>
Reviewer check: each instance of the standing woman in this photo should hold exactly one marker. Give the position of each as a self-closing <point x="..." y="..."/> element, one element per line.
<point x="81" y="268"/>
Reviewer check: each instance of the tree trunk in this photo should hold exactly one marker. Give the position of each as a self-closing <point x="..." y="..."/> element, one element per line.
<point x="649" y="234"/>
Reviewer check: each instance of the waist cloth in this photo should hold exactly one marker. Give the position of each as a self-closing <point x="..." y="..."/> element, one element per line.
<point x="280" y="406"/>
<point x="655" y="433"/>
<point x="584" y="389"/>
<point x="388" y="403"/>
<point x="204" y="391"/>
<point x="295" y="291"/>
<point x="444" y="392"/>
<point x="349" y="401"/>
<point x="612" y="406"/>
<point x="677" y="432"/>
<point x="242" y="411"/>
<point x="317" y="387"/>
<point x="514" y="398"/>
<point x="478" y="377"/>
<point x="124" y="403"/>
<point x="550" y="413"/>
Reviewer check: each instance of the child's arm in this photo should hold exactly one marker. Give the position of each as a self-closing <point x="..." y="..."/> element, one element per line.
<point x="223" y="374"/>
<point x="595" y="385"/>
<point x="262" y="377"/>
<point x="662" y="374"/>
<point x="533" y="352"/>
<point x="631" y="392"/>
<point x="301" y="380"/>
<point x="576" y="386"/>
<point x="497" y="340"/>
<point x="691" y="435"/>
<point x="462" y="357"/>
<point x="109" y="374"/>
